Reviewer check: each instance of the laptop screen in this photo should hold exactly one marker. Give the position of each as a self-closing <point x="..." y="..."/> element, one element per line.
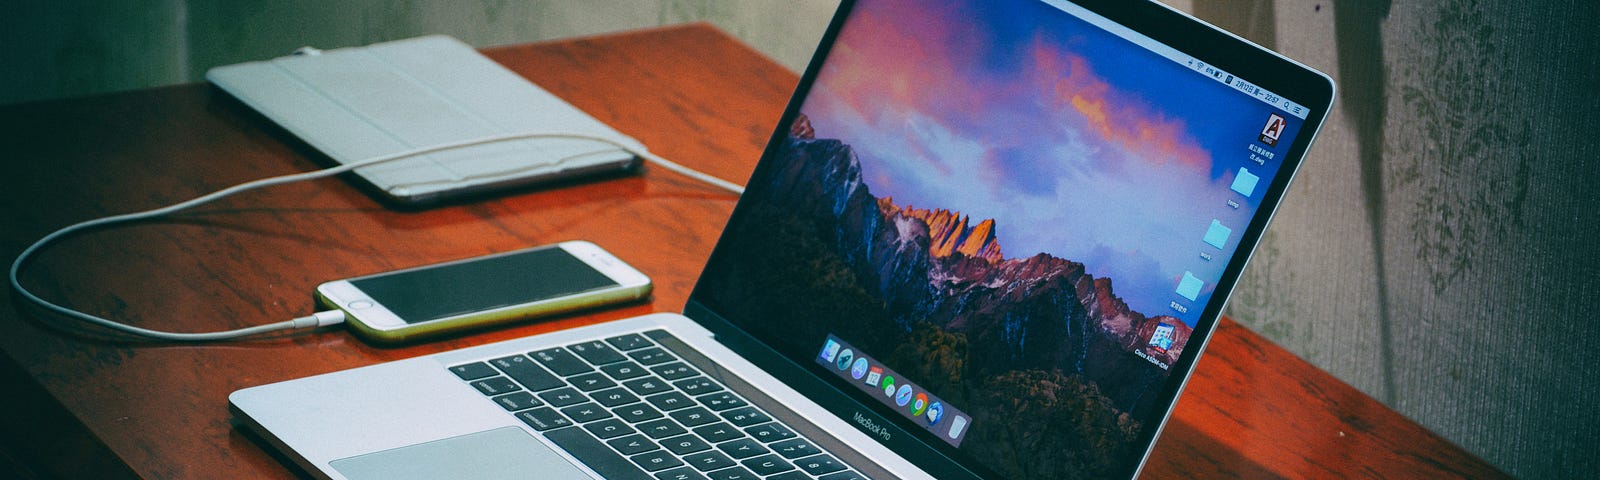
<point x="998" y="225"/>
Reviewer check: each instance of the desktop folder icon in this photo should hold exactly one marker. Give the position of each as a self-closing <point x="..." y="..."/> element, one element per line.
<point x="1245" y="182"/>
<point x="1189" y="287"/>
<point x="1217" y="235"/>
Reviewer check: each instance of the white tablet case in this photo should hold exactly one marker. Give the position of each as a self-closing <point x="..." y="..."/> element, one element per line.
<point x="366" y="102"/>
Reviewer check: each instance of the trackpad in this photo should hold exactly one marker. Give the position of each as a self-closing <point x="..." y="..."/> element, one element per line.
<point x="504" y="453"/>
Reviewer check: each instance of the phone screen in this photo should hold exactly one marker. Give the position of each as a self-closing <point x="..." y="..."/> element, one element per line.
<point x="446" y="290"/>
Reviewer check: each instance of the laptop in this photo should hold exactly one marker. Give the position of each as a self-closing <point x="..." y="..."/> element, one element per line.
<point x="987" y="240"/>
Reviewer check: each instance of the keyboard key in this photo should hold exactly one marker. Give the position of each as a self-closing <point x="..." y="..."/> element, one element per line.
<point x="697" y="385"/>
<point x="721" y="401"/>
<point x="632" y="341"/>
<point x="472" y="371"/>
<point x="674" y="371"/>
<point x="561" y="361"/>
<point x="680" y="473"/>
<point x="609" y="428"/>
<point x="647" y="386"/>
<point x="718" y="432"/>
<point x="670" y="401"/>
<point x="637" y="412"/>
<point x="688" y="426"/>
<point x="767" y="464"/>
<point x="708" y="460"/>
<point x="652" y="356"/>
<point x="563" y="397"/>
<point x="585" y="412"/>
<point x="632" y="444"/>
<point x="657" y="460"/>
<point x="685" y="444"/>
<point x="746" y="416"/>
<point x="590" y="382"/>
<point x="819" y="465"/>
<point x="742" y="448"/>
<point x="795" y="448"/>
<point x="595" y="455"/>
<point x="596" y="352"/>
<point x="517" y="401"/>
<point x="614" y="397"/>
<point x="662" y="428"/>
<point x="693" y="417"/>
<point x="542" y="419"/>
<point x="735" y="473"/>
<point x="495" y="386"/>
<point x="624" y="370"/>
<point x="769" y="432"/>
<point x="526" y="372"/>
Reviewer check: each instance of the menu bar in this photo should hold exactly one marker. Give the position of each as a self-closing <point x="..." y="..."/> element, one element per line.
<point x="1220" y="75"/>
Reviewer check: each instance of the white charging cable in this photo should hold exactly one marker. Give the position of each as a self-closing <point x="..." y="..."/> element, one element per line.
<point x="319" y="319"/>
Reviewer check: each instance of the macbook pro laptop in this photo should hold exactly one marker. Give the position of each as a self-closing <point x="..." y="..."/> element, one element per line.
<point x="989" y="239"/>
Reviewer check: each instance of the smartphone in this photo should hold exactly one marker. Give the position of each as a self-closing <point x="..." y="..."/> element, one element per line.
<point x="434" y="299"/>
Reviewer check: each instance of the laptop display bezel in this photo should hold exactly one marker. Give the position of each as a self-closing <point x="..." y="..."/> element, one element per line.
<point x="1262" y="67"/>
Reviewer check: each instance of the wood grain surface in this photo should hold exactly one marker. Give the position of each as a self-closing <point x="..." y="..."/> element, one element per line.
<point x="86" y="402"/>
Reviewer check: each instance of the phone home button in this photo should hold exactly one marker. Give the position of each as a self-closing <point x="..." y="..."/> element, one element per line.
<point x="360" y="304"/>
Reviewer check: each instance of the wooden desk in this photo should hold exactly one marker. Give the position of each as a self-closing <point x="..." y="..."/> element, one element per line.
<point x="82" y="402"/>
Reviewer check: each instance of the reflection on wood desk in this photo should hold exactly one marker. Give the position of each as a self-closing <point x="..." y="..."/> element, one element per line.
<point x="83" y="402"/>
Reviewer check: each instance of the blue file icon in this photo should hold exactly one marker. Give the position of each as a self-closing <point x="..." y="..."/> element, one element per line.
<point x="1217" y="235"/>
<point x="1245" y="182"/>
<point x="1189" y="287"/>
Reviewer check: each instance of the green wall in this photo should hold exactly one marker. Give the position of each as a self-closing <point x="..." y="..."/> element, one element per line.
<point x="79" y="47"/>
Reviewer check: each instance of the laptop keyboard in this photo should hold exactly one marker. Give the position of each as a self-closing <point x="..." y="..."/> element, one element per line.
<point x="630" y="409"/>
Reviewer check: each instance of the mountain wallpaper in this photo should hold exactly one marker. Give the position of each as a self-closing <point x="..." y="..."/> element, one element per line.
<point x="1045" y="356"/>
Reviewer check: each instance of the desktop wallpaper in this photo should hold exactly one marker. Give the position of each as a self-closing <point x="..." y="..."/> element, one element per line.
<point x="1000" y="203"/>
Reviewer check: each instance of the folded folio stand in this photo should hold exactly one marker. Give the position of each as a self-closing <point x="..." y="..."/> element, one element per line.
<point x="354" y="104"/>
